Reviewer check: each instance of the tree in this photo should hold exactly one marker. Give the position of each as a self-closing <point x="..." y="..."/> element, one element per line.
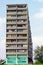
<point x="39" y="54"/>
<point x="2" y="61"/>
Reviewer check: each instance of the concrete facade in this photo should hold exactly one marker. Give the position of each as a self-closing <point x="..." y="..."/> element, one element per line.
<point x="18" y="34"/>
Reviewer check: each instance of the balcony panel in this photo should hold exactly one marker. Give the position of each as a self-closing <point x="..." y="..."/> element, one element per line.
<point x="11" y="13"/>
<point x="24" y="27"/>
<point x="23" y="17"/>
<point x="13" y="8"/>
<point x="10" y="32"/>
<point x="16" y="48"/>
<point x="10" y="42"/>
<point x="21" y="8"/>
<point x="22" y="52"/>
<point x="21" y="13"/>
<point x="21" y="42"/>
<point x="11" y="53"/>
<point x="21" y="37"/>
<point x="14" y="27"/>
<point x="11" y="22"/>
<point x="11" y="18"/>
<point x="11" y="37"/>
<point x="16" y="52"/>
<point x="22" y="22"/>
<point x="24" y="32"/>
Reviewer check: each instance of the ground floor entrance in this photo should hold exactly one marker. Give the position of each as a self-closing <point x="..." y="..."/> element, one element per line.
<point x="17" y="59"/>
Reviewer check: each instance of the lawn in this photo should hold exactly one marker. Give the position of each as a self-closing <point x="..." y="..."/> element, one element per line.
<point x="21" y="64"/>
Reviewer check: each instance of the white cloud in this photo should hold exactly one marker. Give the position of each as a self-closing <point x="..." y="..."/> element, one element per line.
<point x="2" y="20"/>
<point x="40" y="0"/>
<point x="2" y="37"/>
<point x="38" y="15"/>
<point x="41" y="9"/>
<point x="2" y="27"/>
<point x="2" y="49"/>
<point x="37" y="41"/>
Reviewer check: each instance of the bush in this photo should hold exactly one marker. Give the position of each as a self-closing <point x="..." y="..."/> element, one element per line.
<point x="37" y="62"/>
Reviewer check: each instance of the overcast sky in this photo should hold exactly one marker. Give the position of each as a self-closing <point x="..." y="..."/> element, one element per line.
<point x="36" y="22"/>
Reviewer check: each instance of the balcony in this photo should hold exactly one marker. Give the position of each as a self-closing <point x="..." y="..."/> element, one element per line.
<point x="11" y="53"/>
<point x="11" y="32"/>
<point x="22" y="32"/>
<point x="11" y="13"/>
<point x="11" y="37"/>
<point x="11" y="22"/>
<point x="22" y="52"/>
<point x="22" y="37"/>
<point x="23" y="27"/>
<point x="21" y="42"/>
<point x="10" y="42"/>
<point x="11" y="18"/>
<point x="21" y="13"/>
<point x="22" y="17"/>
<point x="21" y="22"/>
<point x="13" y="47"/>
<point x="11" y="27"/>
<point x="12" y="8"/>
<point x="16" y="52"/>
<point x="22" y="8"/>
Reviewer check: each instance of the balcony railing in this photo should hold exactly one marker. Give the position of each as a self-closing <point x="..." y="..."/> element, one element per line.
<point x="16" y="52"/>
<point x="21" y="22"/>
<point x="22" y="8"/>
<point x="13" y="47"/>
<point x="10" y="42"/>
<point x="11" y="27"/>
<point x="11" y="37"/>
<point x="21" y="42"/>
<point x="12" y="8"/>
<point x="11" y="22"/>
<point x="22" y="37"/>
<point x="9" y="17"/>
<point x="11" y="32"/>
<point x="11" y="13"/>
<point x="21" y="13"/>
<point x="23" y="27"/>
<point x="22" y="17"/>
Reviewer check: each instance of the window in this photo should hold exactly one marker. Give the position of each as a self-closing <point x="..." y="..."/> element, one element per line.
<point x="19" y="25"/>
<point x="19" y="50"/>
<point x="20" y="45"/>
<point x="6" y="35"/>
<point x="25" y="45"/>
<point x="11" y="6"/>
<point x="13" y="30"/>
<point x="13" y="40"/>
<point x="21" y="35"/>
<point x="8" y="40"/>
<point x="12" y="45"/>
<point x="10" y="50"/>
<point x="21" y="40"/>
<point x="13" y="35"/>
<point x="19" y="30"/>
<point x="21" y="6"/>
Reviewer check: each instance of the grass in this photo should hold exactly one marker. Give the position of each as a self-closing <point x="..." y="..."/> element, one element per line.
<point x="21" y="64"/>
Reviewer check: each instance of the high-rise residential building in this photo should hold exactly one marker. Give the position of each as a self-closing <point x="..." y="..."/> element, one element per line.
<point x="18" y="34"/>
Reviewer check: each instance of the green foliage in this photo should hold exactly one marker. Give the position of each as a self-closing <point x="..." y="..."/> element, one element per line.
<point x="37" y="62"/>
<point x="39" y="54"/>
